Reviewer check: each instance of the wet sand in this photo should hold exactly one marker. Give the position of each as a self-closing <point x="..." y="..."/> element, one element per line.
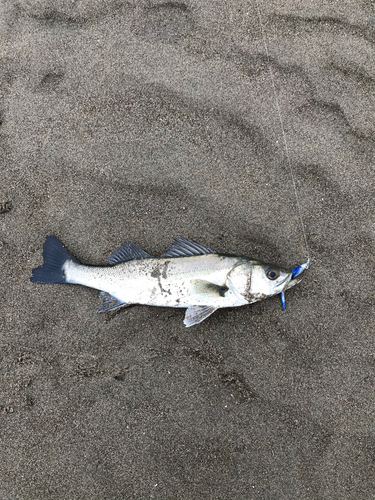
<point x="144" y="120"/>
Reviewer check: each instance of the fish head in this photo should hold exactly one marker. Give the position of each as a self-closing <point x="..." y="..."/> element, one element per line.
<point x="252" y="280"/>
<point x="280" y="279"/>
<point x="268" y="280"/>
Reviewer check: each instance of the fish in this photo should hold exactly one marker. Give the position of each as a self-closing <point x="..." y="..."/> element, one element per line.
<point x="188" y="275"/>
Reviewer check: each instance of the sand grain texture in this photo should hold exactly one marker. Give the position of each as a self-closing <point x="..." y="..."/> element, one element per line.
<point x="142" y="120"/>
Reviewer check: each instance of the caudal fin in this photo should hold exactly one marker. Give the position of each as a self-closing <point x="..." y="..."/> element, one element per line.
<point x="54" y="255"/>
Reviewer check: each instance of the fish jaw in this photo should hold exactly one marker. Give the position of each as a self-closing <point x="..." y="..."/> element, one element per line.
<point x="292" y="283"/>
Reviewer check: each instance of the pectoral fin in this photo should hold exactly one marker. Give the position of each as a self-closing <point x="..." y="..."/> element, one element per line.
<point x="109" y="303"/>
<point x="202" y="287"/>
<point x="197" y="314"/>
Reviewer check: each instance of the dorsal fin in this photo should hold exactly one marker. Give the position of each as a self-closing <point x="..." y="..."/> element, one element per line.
<point x="127" y="251"/>
<point x="184" y="248"/>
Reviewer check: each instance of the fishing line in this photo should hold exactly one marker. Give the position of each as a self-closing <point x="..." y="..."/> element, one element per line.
<point x="282" y="128"/>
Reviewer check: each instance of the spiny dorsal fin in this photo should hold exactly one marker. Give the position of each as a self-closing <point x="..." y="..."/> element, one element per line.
<point x="127" y="251"/>
<point x="184" y="248"/>
<point x="197" y="314"/>
<point x="109" y="303"/>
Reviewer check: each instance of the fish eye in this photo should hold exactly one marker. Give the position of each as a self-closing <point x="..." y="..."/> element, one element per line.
<point x="272" y="274"/>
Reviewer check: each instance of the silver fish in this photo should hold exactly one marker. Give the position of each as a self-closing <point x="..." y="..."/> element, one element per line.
<point x="188" y="275"/>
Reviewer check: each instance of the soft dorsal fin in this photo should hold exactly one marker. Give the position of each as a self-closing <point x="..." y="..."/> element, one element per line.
<point x="127" y="251"/>
<point x="197" y="314"/>
<point x="184" y="248"/>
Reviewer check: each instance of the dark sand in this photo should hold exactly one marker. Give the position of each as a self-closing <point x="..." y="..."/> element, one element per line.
<point x="142" y="120"/>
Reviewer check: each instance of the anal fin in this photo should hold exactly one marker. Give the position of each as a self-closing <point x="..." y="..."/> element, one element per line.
<point x="197" y="314"/>
<point x="109" y="303"/>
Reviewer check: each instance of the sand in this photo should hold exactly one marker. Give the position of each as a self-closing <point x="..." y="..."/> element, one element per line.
<point x="142" y="120"/>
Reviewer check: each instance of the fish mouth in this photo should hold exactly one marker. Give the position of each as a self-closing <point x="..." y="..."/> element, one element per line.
<point x="292" y="283"/>
<point x="283" y="281"/>
<point x="284" y="284"/>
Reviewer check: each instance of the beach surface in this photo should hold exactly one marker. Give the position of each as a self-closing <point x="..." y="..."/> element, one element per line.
<point x="143" y="120"/>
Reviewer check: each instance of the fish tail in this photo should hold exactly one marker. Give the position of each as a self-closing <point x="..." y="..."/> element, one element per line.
<point x="55" y="255"/>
